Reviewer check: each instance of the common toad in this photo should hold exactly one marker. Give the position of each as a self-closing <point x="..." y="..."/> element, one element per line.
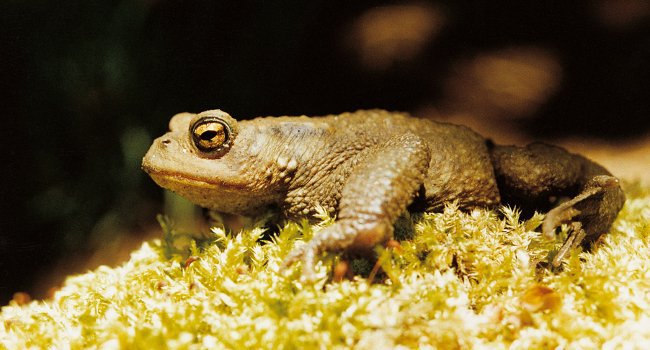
<point x="367" y="167"/>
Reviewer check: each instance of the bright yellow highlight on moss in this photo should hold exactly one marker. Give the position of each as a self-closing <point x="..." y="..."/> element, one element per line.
<point x="463" y="280"/>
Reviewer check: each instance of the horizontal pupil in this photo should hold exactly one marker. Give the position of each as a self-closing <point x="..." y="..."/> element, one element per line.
<point x="208" y="135"/>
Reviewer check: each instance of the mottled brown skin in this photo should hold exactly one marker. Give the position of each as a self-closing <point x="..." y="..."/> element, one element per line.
<point x="367" y="167"/>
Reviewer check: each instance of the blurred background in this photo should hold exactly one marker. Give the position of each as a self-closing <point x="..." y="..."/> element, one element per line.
<point x="87" y="84"/>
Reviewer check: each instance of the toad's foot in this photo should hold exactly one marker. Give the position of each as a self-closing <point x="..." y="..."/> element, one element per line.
<point x="342" y="235"/>
<point x="589" y="214"/>
<point x="306" y="254"/>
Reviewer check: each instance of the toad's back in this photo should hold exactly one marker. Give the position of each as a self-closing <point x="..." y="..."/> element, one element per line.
<point x="459" y="168"/>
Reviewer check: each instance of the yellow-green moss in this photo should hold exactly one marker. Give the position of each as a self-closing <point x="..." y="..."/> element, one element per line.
<point x="464" y="280"/>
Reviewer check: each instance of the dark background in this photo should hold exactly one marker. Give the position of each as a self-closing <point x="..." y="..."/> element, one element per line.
<point x="87" y="84"/>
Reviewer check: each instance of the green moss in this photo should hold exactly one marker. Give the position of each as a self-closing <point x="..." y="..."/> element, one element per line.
<point x="464" y="280"/>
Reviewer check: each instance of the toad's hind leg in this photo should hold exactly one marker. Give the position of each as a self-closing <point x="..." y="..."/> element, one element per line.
<point x="532" y="176"/>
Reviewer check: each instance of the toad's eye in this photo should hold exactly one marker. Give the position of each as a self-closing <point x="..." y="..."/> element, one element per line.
<point x="210" y="134"/>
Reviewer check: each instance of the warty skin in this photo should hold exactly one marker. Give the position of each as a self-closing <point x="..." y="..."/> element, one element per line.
<point x="367" y="167"/>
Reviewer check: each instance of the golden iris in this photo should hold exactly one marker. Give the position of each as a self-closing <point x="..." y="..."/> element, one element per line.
<point x="209" y="134"/>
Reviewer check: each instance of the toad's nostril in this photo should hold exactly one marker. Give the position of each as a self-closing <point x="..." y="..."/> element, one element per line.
<point x="166" y="141"/>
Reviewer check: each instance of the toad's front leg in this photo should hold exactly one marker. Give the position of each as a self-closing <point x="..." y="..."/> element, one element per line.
<point x="379" y="188"/>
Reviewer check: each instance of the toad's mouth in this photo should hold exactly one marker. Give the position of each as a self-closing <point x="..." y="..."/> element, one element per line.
<point x="176" y="181"/>
<point x="166" y="177"/>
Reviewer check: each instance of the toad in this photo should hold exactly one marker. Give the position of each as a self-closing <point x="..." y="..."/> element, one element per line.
<point x="367" y="168"/>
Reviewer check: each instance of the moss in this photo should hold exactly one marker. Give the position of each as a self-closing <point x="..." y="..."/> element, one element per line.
<point x="464" y="280"/>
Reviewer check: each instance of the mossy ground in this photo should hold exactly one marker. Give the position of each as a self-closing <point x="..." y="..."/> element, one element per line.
<point x="463" y="280"/>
